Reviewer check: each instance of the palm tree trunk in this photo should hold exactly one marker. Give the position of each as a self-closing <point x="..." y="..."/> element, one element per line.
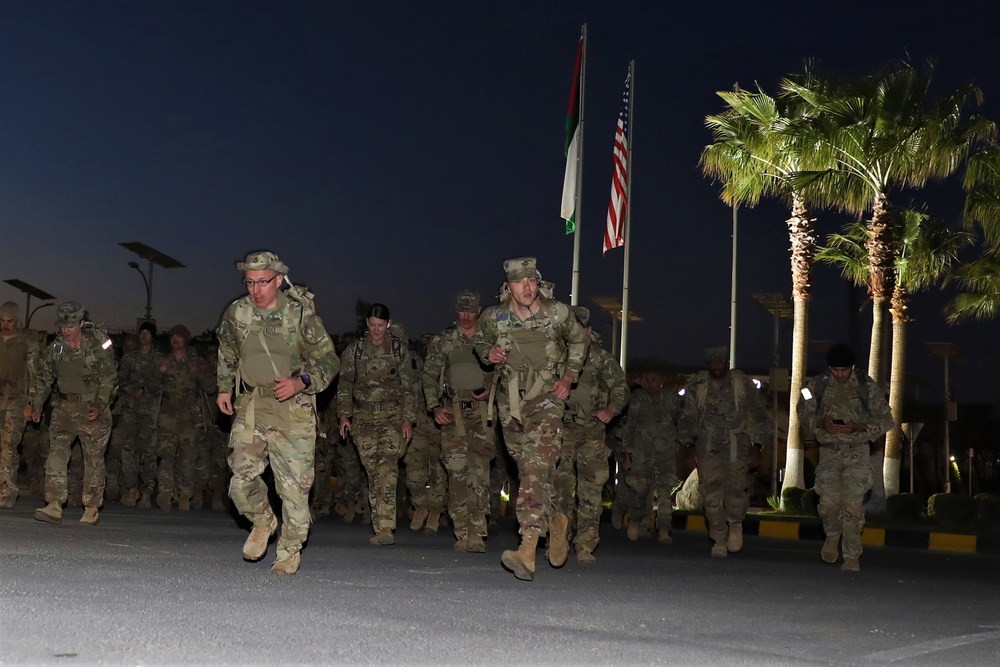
<point x="802" y="235"/>
<point x="897" y="386"/>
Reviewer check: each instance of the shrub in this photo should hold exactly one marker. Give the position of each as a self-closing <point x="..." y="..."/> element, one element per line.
<point x="809" y="502"/>
<point x="987" y="510"/>
<point x="952" y="510"/>
<point x="905" y="507"/>
<point x="791" y="499"/>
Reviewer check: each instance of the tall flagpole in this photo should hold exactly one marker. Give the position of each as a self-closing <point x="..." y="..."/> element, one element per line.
<point x="574" y="296"/>
<point x="623" y="348"/>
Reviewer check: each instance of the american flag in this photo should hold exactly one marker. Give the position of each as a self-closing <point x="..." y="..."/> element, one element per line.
<point x="615" y="229"/>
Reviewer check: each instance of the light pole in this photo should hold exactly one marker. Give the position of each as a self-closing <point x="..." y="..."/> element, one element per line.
<point x="947" y="351"/>
<point x="613" y="307"/>
<point x="30" y="291"/>
<point x="153" y="256"/>
<point x="27" y="322"/>
<point x="780" y="309"/>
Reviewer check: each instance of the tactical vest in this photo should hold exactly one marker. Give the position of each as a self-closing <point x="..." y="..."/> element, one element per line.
<point x="581" y="396"/>
<point x="824" y="380"/>
<point x="464" y="371"/>
<point x="266" y="332"/>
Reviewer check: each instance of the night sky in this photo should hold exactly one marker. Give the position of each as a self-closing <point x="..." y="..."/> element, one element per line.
<point x="399" y="151"/>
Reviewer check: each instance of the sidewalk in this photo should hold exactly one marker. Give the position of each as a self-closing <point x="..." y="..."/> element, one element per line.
<point x="804" y="529"/>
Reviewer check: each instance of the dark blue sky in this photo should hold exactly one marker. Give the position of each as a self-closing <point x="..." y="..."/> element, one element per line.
<point x="399" y="151"/>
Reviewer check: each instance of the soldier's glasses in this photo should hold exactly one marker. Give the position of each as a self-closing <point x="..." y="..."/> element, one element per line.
<point x="259" y="283"/>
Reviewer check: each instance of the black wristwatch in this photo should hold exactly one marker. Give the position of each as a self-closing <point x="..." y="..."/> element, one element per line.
<point x="306" y="380"/>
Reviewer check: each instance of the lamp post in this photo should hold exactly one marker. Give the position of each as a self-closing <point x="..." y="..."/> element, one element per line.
<point x="613" y="307"/>
<point x="30" y="291"/>
<point x="780" y="309"/>
<point x="152" y="256"/>
<point x="947" y="351"/>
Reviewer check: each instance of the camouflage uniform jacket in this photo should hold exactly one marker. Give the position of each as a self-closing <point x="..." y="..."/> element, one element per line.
<point x="843" y="401"/>
<point x="447" y="350"/>
<point x="565" y="346"/>
<point x="100" y="374"/>
<point x="133" y="372"/>
<point x="15" y="353"/>
<point x="652" y="422"/>
<point x="601" y="384"/>
<point x="181" y="385"/>
<point x="295" y="318"/>
<point x="376" y="378"/>
<point x="714" y="409"/>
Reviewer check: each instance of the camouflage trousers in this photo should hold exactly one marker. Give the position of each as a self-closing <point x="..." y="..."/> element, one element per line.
<point x="843" y="476"/>
<point x="289" y="449"/>
<point x="425" y="475"/>
<point x="583" y="468"/>
<point x="535" y="443"/>
<point x="722" y="480"/>
<point x="466" y="457"/>
<point x="217" y="479"/>
<point x="321" y="497"/>
<point x="352" y="486"/>
<point x="11" y="429"/>
<point x="69" y="421"/>
<point x="35" y="449"/>
<point x="501" y="475"/>
<point x="379" y="439"/>
<point x="135" y="444"/>
<point x="653" y="473"/>
<point x="183" y="456"/>
<point x="623" y="497"/>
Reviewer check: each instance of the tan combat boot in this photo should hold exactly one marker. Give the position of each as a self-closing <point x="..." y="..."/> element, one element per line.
<point x="288" y="565"/>
<point x="419" y="517"/>
<point x="163" y="500"/>
<point x="665" y="537"/>
<point x="522" y="561"/>
<point x="831" y="549"/>
<point x="851" y="565"/>
<point x="349" y="512"/>
<point x="734" y="542"/>
<point x="719" y="549"/>
<point x="90" y="516"/>
<point x="617" y="519"/>
<point x="51" y="513"/>
<point x="256" y="545"/>
<point x="585" y="555"/>
<point x="558" y="540"/>
<point x="130" y="497"/>
<point x="197" y="500"/>
<point x="383" y="536"/>
<point x="144" y="501"/>
<point x="183" y="504"/>
<point x="475" y="545"/>
<point x="633" y="529"/>
<point x="433" y="521"/>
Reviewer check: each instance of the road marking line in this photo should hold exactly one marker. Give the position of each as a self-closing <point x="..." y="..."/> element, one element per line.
<point x="924" y="648"/>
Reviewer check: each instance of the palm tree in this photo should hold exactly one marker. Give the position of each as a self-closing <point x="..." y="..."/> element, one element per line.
<point x="927" y="250"/>
<point x="882" y="134"/>
<point x="754" y="152"/>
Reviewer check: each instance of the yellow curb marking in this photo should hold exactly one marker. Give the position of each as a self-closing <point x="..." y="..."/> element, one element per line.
<point x="786" y="529"/>
<point x="952" y="542"/>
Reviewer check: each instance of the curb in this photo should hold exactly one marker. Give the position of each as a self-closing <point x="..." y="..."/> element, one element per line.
<point x="871" y="537"/>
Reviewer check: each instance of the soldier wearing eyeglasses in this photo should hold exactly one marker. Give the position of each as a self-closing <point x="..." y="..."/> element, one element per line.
<point x="274" y="357"/>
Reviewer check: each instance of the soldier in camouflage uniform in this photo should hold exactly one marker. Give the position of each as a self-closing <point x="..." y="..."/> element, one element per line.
<point x="113" y="456"/>
<point x="180" y="378"/>
<point x="457" y="387"/>
<point x="846" y="410"/>
<point x="376" y="404"/>
<point x="537" y="346"/>
<point x="276" y="355"/>
<point x="723" y="412"/>
<point x="595" y="399"/>
<point x="134" y="435"/>
<point x="620" y="502"/>
<point x="82" y="365"/>
<point x="16" y="346"/>
<point x="426" y="479"/>
<point x="217" y="439"/>
<point x="649" y="442"/>
<point x="321" y="497"/>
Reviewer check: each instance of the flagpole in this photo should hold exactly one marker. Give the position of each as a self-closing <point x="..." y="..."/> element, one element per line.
<point x="574" y="297"/>
<point x="623" y="348"/>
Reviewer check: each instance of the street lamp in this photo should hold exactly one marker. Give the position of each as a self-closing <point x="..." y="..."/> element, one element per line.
<point x="613" y="307"/>
<point x="153" y="256"/>
<point x="780" y="309"/>
<point x="30" y="291"/>
<point x="947" y="351"/>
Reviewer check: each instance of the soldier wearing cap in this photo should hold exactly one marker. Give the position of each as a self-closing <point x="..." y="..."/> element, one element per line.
<point x="597" y="397"/>
<point x="274" y="357"/>
<point x="426" y="479"/>
<point x="133" y="434"/>
<point x="16" y="346"/>
<point x="376" y="407"/>
<point x="457" y="386"/>
<point x="82" y="365"/>
<point x="180" y="377"/>
<point x="846" y="409"/>
<point x="538" y="347"/>
<point x="725" y="416"/>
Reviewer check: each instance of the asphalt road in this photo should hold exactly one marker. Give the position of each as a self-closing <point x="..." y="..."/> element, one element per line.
<point x="147" y="588"/>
